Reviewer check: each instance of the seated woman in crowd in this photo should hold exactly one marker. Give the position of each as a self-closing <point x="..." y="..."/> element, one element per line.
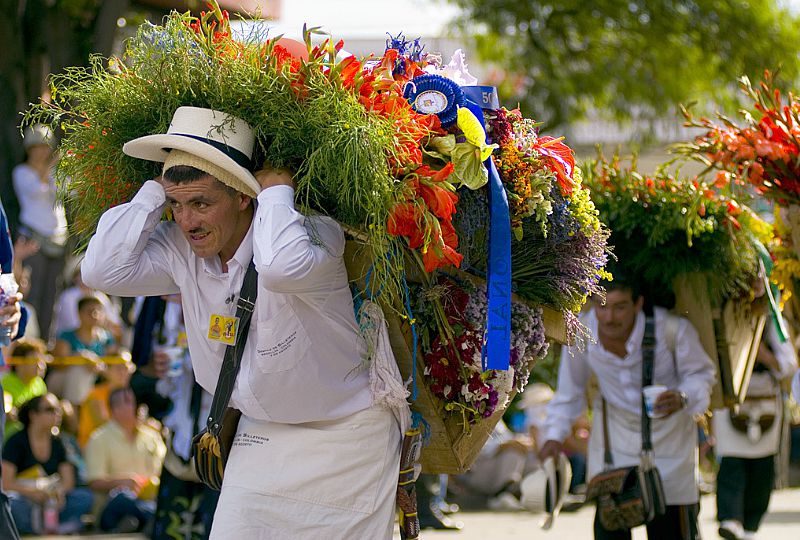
<point x="90" y="340"/>
<point x="94" y="410"/>
<point x="36" y="471"/>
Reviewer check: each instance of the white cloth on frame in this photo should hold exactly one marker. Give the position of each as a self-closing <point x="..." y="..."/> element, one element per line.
<point x="734" y="443"/>
<point x="796" y="387"/>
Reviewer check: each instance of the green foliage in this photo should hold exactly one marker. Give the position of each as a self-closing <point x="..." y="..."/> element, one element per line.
<point x="628" y="57"/>
<point x="303" y="117"/>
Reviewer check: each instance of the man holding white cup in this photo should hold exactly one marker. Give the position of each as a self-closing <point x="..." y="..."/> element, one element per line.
<point x="683" y="375"/>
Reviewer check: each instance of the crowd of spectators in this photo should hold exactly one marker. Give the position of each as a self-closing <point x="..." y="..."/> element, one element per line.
<point x="80" y="451"/>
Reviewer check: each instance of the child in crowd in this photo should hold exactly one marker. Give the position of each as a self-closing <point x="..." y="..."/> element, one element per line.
<point x="24" y="381"/>
<point x="94" y="410"/>
<point x="89" y="340"/>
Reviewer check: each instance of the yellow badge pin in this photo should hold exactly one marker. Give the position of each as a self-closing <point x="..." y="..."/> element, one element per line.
<point x="223" y="329"/>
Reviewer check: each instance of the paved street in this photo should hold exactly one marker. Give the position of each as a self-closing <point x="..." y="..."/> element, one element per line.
<point x="782" y="523"/>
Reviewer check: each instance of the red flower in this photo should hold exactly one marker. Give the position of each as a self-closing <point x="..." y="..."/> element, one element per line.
<point x="405" y="220"/>
<point x="449" y="233"/>
<point x="440" y="255"/>
<point x="441" y="201"/>
<point x="436" y="176"/>
<point x="350" y="67"/>
<point x="560" y="158"/>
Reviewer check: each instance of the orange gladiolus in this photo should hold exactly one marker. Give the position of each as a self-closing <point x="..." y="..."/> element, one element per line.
<point x="441" y="201"/>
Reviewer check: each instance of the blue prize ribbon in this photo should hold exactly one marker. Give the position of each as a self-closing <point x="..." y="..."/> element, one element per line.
<point x="496" y="351"/>
<point x="434" y="94"/>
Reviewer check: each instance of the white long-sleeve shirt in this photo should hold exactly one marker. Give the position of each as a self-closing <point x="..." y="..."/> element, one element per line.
<point x="784" y="352"/>
<point x="38" y="207"/>
<point x="690" y="370"/>
<point x="303" y="360"/>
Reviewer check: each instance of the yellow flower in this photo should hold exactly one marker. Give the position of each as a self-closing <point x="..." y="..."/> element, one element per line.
<point x="474" y="132"/>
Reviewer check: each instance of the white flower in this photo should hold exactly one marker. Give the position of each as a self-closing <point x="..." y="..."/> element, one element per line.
<point x="456" y="70"/>
<point x="466" y="392"/>
<point x="503" y="381"/>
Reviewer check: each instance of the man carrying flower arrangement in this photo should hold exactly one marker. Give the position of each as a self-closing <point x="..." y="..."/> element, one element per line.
<point x="313" y="456"/>
<point x="615" y="357"/>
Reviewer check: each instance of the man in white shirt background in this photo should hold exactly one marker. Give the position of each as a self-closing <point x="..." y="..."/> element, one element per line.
<point x="313" y="457"/>
<point x="615" y="359"/>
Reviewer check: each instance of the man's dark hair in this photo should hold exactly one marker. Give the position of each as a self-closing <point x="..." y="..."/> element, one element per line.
<point x="623" y="281"/>
<point x="86" y="300"/>
<point x="180" y="174"/>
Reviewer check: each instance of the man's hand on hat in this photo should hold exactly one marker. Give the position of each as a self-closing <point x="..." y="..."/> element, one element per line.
<point x="269" y="177"/>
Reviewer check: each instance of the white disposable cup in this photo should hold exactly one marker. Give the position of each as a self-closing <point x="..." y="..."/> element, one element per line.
<point x="175" y="355"/>
<point x="651" y="394"/>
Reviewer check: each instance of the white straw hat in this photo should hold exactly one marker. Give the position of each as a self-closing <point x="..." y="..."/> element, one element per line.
<point x="536" y="394"/>
<point x="37" y="134"/>
<point x="215" y="137"/>
<point x="543" y="490"/>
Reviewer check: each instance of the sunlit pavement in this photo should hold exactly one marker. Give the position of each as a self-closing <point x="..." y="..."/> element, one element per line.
<point x="781" y="523"/>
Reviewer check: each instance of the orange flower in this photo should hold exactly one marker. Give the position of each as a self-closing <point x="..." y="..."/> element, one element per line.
<point x="560" y="159"/>
<point x="721" y="179"/>
<point x="406" y="220"/>
<point x="441" y="201"/>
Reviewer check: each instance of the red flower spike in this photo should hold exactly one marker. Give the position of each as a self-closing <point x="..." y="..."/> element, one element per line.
<point x="560" y="159"/>
<point x="441" y="201"/>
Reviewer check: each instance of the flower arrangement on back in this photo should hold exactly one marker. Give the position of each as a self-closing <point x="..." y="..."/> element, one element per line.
<point x="665" y="225"/>
<point x="411" y="185"/>
<point x="762" y="150"/>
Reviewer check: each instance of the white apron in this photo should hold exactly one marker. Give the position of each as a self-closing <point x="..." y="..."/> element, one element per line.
<point x="317" y="480"/>
<point x="674" y="443"/>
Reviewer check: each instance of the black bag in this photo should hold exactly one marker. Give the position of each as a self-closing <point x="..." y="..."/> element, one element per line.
<point x="212" y="446"/>
<point x="627" y="497"/>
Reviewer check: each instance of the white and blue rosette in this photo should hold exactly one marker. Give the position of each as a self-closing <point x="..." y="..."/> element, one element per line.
<point x="434" y="94"/>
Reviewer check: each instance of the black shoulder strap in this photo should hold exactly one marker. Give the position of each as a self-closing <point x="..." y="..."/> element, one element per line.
<point x="608" y="459"/>
<point x="648" y="356"/>
<point x="233" y="353"/>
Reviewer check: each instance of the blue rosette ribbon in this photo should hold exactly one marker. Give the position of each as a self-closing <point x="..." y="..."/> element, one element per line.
<point x="434" y="94"/>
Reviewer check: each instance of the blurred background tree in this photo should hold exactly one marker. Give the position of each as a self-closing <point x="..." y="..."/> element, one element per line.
<point x="628" y="59"/>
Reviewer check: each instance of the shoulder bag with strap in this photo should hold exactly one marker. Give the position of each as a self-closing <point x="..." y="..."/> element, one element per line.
<point x="211" y="447"/>
<point x="630" y="496"/>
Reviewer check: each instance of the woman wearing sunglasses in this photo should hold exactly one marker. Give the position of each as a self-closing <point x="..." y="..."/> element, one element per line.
<point x="39" y="477"/>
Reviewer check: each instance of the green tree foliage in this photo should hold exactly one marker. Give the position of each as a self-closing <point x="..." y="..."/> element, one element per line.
<point x="628" y="58"/>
